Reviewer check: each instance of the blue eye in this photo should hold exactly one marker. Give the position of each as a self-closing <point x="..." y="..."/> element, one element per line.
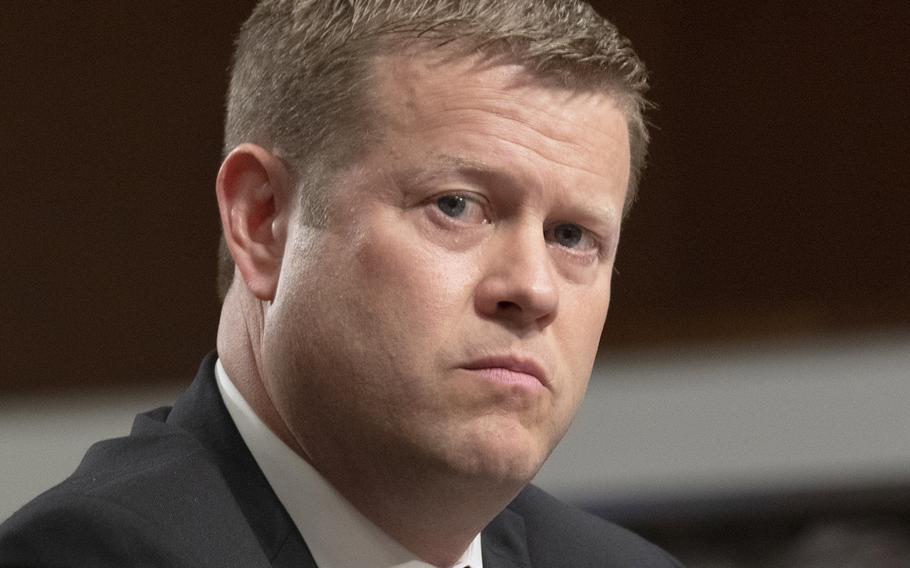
<point x="452" y="205"/>
<point x="572" y="236"/>
<point x="568" y="235"/>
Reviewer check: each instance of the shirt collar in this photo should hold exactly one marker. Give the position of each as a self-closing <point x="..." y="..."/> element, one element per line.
<point x="336" y="533"/>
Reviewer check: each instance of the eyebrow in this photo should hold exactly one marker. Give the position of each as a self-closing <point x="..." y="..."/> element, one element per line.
<point x="446" y="164"/>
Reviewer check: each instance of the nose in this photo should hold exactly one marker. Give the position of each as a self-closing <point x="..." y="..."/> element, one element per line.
<point x="519" y="285"/>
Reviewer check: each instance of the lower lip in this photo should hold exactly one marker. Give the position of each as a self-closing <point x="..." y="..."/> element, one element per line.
<point x="507" y="377"/>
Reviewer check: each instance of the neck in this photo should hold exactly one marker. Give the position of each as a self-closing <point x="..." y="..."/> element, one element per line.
<point x="239" y="344"/>
<point x="424" y="506"/>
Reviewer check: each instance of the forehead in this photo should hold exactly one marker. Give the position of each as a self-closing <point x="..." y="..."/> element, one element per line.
<point x="422" y="83"/>
<point x="498" y="112"/>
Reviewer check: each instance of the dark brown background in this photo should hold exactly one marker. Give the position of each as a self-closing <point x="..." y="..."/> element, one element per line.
<point x="776" y="202"/>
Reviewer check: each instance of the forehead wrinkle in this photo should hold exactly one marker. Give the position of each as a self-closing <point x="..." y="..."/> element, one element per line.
<point x="554" y="130"/>
<point x="507" y="135"/>
<point x="562" y="163"/>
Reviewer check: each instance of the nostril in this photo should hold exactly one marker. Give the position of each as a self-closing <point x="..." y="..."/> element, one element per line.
<point x="505" y="305"/>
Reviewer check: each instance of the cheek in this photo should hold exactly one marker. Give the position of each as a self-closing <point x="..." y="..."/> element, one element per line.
<point x="405" y="272"/>
<point x="582" y="323"/>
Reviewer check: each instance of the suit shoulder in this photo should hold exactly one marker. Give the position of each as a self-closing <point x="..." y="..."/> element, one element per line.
<point x="72" y="529"/>
<point x="144" y="499"/>
<point x="153" y="461"/>
<point x="559" y="534"/>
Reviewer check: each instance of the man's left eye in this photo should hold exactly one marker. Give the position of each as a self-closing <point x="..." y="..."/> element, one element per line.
<point x="572" y="236"/>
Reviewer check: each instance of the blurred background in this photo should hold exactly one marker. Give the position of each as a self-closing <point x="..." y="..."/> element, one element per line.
<point x="749" y="406"/>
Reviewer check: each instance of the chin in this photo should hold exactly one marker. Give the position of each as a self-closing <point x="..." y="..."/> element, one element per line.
<point x="506" y="456"/>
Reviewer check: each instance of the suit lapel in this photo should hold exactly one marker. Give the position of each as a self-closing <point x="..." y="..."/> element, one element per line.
<point x="201" y="412"/>
<point x="504" y="543"/>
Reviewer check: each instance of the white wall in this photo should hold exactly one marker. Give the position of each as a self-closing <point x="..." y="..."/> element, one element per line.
<point x="703" y="420"/>
<point x="43" y="439"/>
<point x="710" y="421"/>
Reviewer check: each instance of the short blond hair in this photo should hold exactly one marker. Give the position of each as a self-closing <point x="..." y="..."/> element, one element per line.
<point x="300" y="81"/>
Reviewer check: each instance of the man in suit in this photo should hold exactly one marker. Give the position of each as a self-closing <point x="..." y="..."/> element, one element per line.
<point x="421" y="204"/>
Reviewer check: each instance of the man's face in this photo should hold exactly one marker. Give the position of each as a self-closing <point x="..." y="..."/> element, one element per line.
<point x="448" y="314"/>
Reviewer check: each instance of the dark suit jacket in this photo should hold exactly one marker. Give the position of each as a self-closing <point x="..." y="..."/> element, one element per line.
<point x="183" y="490"/>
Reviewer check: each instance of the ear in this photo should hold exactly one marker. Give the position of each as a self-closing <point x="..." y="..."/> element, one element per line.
<point x="254" y="197"/>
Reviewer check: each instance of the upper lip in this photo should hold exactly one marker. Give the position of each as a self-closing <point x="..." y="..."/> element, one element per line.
<point x="519" y="363"/>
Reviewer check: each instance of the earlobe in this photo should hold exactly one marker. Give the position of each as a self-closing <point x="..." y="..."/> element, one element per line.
<point x="253" y="190"/>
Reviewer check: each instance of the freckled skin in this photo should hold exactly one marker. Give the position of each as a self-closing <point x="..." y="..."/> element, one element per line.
<point x="376" y="314"/>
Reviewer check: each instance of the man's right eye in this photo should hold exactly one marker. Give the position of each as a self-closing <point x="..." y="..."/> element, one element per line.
<point x="462" y="208"/>
<point x="452" y="205"/>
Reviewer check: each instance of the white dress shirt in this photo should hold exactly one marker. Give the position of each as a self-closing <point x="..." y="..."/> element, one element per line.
<point x="336" y="533"/>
